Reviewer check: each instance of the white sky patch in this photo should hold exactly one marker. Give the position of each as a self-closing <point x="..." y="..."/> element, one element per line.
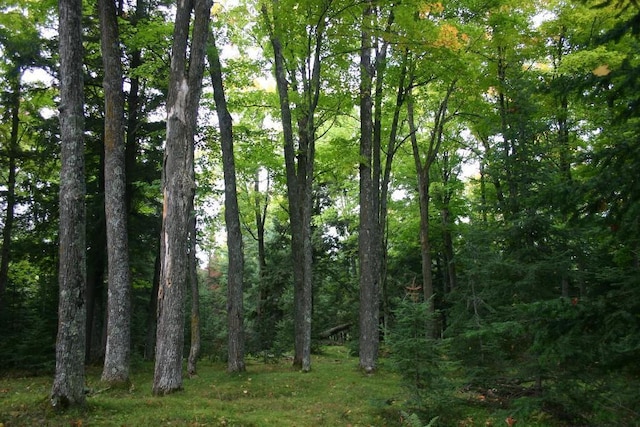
<point x="543" y="16"/>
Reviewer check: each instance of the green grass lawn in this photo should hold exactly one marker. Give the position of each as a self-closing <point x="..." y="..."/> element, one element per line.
<point x="334" y="393"/>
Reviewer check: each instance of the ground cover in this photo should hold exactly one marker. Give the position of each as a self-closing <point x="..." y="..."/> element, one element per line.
<point x="270" y="393"/>
<point x="334" y="393"/>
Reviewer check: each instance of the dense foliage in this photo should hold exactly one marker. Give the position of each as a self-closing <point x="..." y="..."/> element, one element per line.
<point x="508" y="144"/>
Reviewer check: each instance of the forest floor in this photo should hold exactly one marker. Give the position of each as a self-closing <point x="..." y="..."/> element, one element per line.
<point x="334" y="393"/>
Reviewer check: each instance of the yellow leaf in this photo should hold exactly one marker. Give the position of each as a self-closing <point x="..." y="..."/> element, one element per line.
<point x="602" y="70"/>
<point x="448" y="37"/>
<point x="216" y="9"/>
<point x="430" y="8"/>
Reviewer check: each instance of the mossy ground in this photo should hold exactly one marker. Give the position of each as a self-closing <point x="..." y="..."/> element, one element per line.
<point x="334" y="393"/>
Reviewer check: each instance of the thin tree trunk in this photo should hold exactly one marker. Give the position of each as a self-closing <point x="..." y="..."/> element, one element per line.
<point x="5" y="255"/>
<point x="260" y="212"/>
<point x="68" y="382"/>
<point x="133" y="109"/>
<point x="96" y="256"/>
<point x="194" y="349"/>
<point x="423" y="167"/>
<point x="447" y="238"/>
<point x="392" y="147"/>
<point x="425" y="239"/>
<point x="449" y="257"/>
<point x="508" y="145"/>
<point x="235" y="362"/>
<point x="178" y="190"/>
<point x="118" y="347"/>
<point x="152" y="316"/>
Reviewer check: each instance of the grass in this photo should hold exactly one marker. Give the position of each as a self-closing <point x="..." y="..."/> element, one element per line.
<point x="334" y="393"/>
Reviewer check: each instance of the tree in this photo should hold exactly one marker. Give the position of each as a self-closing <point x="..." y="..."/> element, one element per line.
<point x="235" y="312"/>
<point x="367" y="232"/>
<point x="185" y="86"/>
<point x="195" y="347"/>
<point x="302" y="74"/>
<point x="13" y="116"/>
<point x="19" y="41"/>
<point x="117" y="355"/>
<point x="68" y="382"/>
<point x="424" y="162"/>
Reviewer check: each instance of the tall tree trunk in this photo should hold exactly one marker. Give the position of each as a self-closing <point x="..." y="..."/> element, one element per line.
<point x="185" y="87"/>
<point x="194" y="349"/>
<point x="68" y="382"/>
<point x="423" y="166"/>
<point x="422" y="171"/>
<point x="367" y="245"/>
<point x="299" y="178"/>
<point x="118" y="348"/>
<point x="5" y="255"/>
<point x="295" y="215"/>
<point x="392" y="147"/>
<point x="235" y="362"/>
<point x="303" y="290"/>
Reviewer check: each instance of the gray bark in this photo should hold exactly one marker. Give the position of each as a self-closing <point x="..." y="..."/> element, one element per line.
<point x="68" y="382"/>
<point x="185" y="87"/>
<point x="235" y="362"/>
<point x="367" y="244"/>
<point x="299" y="163"/>
<point x="194" y="349"/>
<point x="117" y="354"/>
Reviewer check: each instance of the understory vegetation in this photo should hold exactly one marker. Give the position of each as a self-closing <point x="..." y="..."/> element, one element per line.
<point x="270" y="393"/>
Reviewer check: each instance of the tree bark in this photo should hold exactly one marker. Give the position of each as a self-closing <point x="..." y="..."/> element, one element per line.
<point x="68" y="382"/>
<point x="133" y="108"/>
<point x="299" y="165"/>
<point x="5" y="255"/>
<point x="424" y="181"/>
<point x="367" y="244"/>
<point x="185" y="87"/>
<point x="423" y="167"/>
<point x="235" y="312"/>
<point x="194" y="349"/>
<point x="260" y="212"/>
<point x="391" y="149"/>
<point x="451" y="281"/>
<point x="96" y="256"/>
<point x="118" y="347"/>
<point x="152" y="316"/>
